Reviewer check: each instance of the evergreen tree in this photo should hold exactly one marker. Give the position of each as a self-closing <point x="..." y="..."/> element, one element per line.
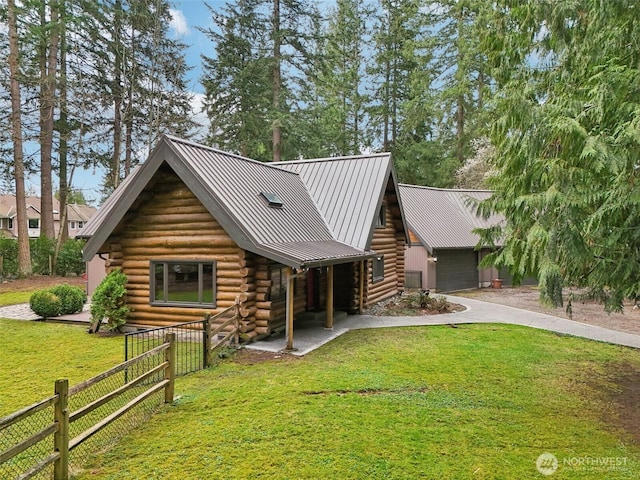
<point x="568" y="144"/>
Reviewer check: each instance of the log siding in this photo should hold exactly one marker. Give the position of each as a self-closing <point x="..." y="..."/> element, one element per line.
<point x="169" y="223"/>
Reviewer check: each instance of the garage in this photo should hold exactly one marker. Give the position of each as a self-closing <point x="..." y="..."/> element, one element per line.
<point x="456" y="269"/>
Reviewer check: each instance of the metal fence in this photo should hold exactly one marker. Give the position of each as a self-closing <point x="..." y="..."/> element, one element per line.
<point x="61" y="433"/>
<point x="195" y="341"/>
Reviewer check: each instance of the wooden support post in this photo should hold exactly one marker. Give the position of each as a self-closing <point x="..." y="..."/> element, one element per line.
<point x="236" y="336"/>
<point x="361" y="292"/>
<point x="170" y="371"/>
<point x="329" y="320"/>
<point x="206" y="359"/>
<point x="289" y="309"/>
<point x="61" y="437"/>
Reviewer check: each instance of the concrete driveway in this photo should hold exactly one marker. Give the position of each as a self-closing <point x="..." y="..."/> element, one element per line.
<point x="307" y="338"/>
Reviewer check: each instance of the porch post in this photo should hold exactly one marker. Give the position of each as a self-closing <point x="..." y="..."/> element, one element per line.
<point x="289" y="308"/>
<point x="361" y="290"/>
<point x="329" y="321"/>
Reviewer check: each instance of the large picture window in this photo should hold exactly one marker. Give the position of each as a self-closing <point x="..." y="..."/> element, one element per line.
<point x="183" y="283"/>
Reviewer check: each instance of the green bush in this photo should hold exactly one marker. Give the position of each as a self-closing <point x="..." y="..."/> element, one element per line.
<point x="72" y="299"/>
<point x="9" y="254"/>
<point x="42" y="250"/>
<point x="45" y="303"/>
<point x="108" y="300"/>
<point x="70" y="258"/>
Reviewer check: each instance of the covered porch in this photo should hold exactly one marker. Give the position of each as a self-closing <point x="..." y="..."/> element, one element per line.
<point x="331" y="291"/>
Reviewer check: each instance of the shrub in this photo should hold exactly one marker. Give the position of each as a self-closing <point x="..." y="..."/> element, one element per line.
<point x="42" y="250"/>
<point x="72" y="299"/>
<point x="70" y="258"/>
<point x="45" y="303"/>
<point x="108" y="300"/>
<point x="9" y="254"/>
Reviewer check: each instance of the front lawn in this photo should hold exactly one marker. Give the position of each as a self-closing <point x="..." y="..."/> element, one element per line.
<point x="34" y="354"/>
<point x="476" y="401"/>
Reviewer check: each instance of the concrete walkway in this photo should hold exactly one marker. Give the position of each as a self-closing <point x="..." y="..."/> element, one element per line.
<point x="22" y="311"/>
<point x="307" y="338"/>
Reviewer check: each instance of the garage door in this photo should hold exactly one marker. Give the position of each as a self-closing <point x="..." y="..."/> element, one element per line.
<point x="456" y="270"/>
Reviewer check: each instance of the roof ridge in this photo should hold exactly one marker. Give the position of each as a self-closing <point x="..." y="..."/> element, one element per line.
<point x="425" y="187"/>
<point x="273" y="165"/>
<point x="330" y="159"/>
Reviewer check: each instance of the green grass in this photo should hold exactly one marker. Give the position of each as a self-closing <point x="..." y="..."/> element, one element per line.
<point x="13" y="298"/>
<point x="478" y="401"/>
<point x="34" y="354"/>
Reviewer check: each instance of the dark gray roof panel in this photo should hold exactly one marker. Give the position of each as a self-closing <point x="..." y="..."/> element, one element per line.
<point x="444" y="218"/>
<point x="347" y="191"/>
<point x="236" y="184"/>
<point x="231" y="187"/>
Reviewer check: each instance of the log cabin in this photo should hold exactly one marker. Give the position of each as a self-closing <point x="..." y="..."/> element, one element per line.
<point x="196" y="230"/>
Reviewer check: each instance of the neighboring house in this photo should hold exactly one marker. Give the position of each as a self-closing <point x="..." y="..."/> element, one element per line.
<point x="442" y="255"/>
<point x="194" y="229"/>
<point x="77" y="216"/>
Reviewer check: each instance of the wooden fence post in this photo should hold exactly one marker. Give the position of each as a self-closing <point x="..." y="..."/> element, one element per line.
<point x="170" y="371"/>
<point x="61" y="437"/>
<point x="207" y="340"/>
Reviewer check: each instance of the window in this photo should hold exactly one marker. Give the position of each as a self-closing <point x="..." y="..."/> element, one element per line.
<point x="34" y="223"/>
<point x="381" y="219"/>
<point x="378" y="268"/>
<point x="80" y="225"/>
<point x="183" y="283"/>
<point x="278" y="283"/>
<point x="72" y="225"/>
<point x="11" y="224"/>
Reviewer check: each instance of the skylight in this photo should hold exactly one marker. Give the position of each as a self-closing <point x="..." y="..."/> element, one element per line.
<point x="272" y="199"/>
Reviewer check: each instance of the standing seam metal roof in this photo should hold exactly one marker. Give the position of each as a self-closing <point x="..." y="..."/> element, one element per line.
<point x="445" y="218"/>
<point x="230" y="187"/>
<point x="347" y="191"/>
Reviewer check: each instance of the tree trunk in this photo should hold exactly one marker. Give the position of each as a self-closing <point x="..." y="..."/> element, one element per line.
<point x="277" y="83"/>
<point x="24" y="256"/>
<point x="117" y="95"/>
<point x="48" y="68"/>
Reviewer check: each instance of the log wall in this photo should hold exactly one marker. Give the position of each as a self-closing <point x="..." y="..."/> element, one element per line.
<point x="169" y="223"/>
<point x="390" y="242"/>
<point x="271" y="312"/>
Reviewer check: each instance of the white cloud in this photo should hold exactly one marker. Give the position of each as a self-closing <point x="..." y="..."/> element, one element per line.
<point x="199" y="116"/>
<point x="178" y="22"/>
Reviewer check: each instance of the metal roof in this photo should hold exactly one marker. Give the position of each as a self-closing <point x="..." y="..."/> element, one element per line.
<point x="444" y="218"/>
<point x="230" y="187"/>
<point x="348" y="192"/>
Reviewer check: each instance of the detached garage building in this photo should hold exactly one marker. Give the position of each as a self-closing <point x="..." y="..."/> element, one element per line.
<point x="442" y="255"/>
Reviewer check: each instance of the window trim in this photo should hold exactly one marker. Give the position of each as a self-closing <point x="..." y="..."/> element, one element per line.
<point x="379" y="260"/>
<point x="165" y="287"/>
<point x="37" y="220"/>
<point x="381" y="218"/>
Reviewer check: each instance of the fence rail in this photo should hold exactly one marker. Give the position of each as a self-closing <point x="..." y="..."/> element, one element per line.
<point x="196" y="342"/>
<point x="81" y="410"/>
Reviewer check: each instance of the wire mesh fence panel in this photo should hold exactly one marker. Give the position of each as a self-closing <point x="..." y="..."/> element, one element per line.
<point x="92" y="400"/>
<point x="189" y="344"/>
<point x="15" y="433"/>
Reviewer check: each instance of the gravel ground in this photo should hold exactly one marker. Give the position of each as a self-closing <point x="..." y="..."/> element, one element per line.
<point x="528" y="298"/>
